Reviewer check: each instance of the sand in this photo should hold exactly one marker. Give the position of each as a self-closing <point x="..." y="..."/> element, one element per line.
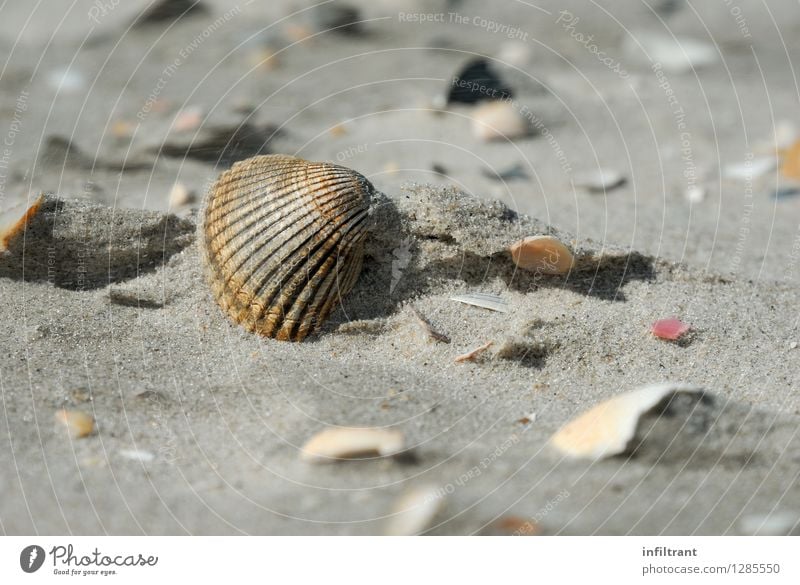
<point x="200" y="424"/>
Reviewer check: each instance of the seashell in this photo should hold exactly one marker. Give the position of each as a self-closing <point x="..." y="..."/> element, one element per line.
<point x="542" y="254"/>
<point x="772" y="524"/>
<point x="609" y="428"/>
<point x="414" y="511"/>
<point x="352" y="442"/>
<point x="483" y="300"/>
<point x="600" y="180"/>
<point x="14" y="221"/>
<point x="283" y="240"/>
<point x="750" y="169"/>
<point x="675" y="55"/>
<point x="78" y="424"/>
<point x="499" y="120"/>
<point x="137" y="455"/>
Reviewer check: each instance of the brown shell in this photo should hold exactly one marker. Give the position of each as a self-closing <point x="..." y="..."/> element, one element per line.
<point x="283" y="240"/>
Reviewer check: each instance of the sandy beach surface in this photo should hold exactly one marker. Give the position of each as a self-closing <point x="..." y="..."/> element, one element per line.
<point x="199" y="424"/>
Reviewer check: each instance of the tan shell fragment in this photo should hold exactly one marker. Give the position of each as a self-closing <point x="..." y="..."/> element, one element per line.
<point x="542" y="254"/>
<point x="353" y="443"/>
<point x="283" y="240"/>
<point x="608" y="428"/>
<point x="78" y="424"/>
<point x="414" y="511"/>
<point x="13" y="222"/>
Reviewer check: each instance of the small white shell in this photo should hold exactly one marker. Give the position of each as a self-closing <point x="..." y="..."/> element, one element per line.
<point x="483" y="300"/>
<point x="600" y="180"/>
<point x="608" y="428"/>
<point x="774" y="524"/>
<point x="137" y="455"/>
<point x="542" y="254"/>
<point x="352" y="442"/>
<point x="499" y="120"/>
<point x="675" y="55"/>
<point x="752" y="169"/>
<point x="414" y="511"/>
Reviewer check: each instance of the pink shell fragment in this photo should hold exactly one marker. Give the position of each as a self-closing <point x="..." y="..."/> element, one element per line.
<point x="671" y="329"/>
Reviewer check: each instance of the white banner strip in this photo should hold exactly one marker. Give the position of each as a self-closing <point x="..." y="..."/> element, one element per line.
<point x="401" y="561"/>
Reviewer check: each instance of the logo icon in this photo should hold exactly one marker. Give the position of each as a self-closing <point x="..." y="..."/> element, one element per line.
<point x="31" y="558"/>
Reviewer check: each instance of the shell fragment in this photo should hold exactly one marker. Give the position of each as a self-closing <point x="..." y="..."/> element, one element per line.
<point x="609" y="428"/>
<point x="338" y="443"/>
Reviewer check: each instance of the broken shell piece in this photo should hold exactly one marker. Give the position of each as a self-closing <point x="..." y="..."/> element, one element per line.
<point x="471" y="356"/>
<point x="352" y="443"/>
<point x="542" y="254"/>
<point x="774" y="524"/>
<point x="483" y="300"/>
<point x="14" y="220"/>
<point x="499" y="120"/>
<point x="675" y="55"/>
<point x="414" y="511"/>
<point x="671" y="328"/>
<point x="609" y="428"/>
<point x="137" y="455"/>
<point x="78" y="424"/>
<point x="600" y="180"/>
<point x="750" y="169"/>
<point x="790" y="163"/>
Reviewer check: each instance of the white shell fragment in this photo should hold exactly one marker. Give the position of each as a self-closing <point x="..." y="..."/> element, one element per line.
<point x="542" y="254"/>
<point x="608" y="428"/>
<point x="600" y="180"/>
<point x="752" y="169"/>
<point x="137" y="455"/>
<point x="483" y="300"/>
<point x="675" y="55"/>
<point x="775" y="524"/>
<point x="499" y="120"/>
<point x="414" y="511"/>
<point x="352" y="443"/>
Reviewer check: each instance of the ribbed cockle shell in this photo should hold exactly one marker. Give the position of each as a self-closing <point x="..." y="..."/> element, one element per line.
<point x="283" y="240"/>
